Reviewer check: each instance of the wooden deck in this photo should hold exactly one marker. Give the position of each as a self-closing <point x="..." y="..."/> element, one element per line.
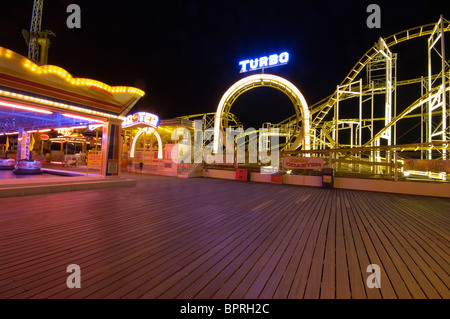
<point x="206" y="238"/>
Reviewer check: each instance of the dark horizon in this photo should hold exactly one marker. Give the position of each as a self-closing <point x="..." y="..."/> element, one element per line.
<point x="185" y="54"/>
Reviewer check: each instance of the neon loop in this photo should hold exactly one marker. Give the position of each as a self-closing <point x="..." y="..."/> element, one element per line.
<point x="257" y="80"/>
<point x="150" y="130"/>
<point x="264" y="62"/>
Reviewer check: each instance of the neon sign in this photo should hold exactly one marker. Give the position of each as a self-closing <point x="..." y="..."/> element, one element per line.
<point x="141" y="118"/>
<point x="264" y="62"/>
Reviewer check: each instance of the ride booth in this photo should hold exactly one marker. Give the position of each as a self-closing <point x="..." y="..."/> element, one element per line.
<point x="152" y="146"/>
<point x="38" y="98"/>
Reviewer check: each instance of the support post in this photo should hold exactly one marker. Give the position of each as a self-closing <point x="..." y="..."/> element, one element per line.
<point x="395" y="167"/>
<point x="111" y="148"/>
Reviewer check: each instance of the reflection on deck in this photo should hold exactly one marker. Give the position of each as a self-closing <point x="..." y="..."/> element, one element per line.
<point x="208" y="238"/>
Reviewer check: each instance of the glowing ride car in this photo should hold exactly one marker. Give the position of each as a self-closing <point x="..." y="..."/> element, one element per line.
<point x="25" y="166"/>
<point x="7" y="163"/>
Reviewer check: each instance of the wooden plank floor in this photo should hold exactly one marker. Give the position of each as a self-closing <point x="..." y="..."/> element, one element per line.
<point x="207" y="238"/>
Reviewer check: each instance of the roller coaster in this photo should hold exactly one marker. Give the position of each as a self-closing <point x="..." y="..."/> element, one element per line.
<point x="369" y="133"/>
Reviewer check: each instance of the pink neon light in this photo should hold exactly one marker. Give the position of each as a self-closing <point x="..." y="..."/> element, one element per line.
<point x="25" y="108"/>
<point x="82" y="118"/>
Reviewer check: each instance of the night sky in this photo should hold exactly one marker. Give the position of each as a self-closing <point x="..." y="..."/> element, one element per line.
<point x="185" y="54"/>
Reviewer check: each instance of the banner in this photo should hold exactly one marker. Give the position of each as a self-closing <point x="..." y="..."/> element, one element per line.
<point x="435" y="166"/>
<point x="292" y="162"/>
<point x="23" y="146"/>
<point x="32" y="142"/>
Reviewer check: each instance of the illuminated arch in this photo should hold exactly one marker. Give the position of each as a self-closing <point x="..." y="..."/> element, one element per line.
<point x="258" y="80"/>
<point x="149" y="129"/>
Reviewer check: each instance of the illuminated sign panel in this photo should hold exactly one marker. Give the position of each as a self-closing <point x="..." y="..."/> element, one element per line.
<point x="141" y="118"/>
<point x="292" y="162"/>
<point x="264" y="62"/>
<point x="23" y="146"/>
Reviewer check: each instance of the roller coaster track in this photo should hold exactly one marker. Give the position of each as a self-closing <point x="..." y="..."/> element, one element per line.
<point x="390" y="41"/>
<point x="231" y="117"/>
<point x="320" y="104"/>
<point x="423" y="99"/>
<point x="322" y="107"/>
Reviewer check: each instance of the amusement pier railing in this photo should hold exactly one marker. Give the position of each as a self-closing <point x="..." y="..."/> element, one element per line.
<point x="383" y="162"/>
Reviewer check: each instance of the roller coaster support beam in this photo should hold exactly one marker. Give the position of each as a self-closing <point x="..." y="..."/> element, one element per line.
<point x="437" y="130"/>
<point x="384" y="50"/>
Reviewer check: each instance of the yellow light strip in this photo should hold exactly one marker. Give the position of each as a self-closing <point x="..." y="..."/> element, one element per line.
<point x="7" y="53"/>
<point x="56" y="70"/>
<point x="57" y="104"/>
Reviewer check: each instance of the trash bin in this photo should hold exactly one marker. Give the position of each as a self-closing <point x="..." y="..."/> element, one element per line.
<point x="242" y="174"/>
<point x="276" y="178"/>
<point x="327" y="177"/>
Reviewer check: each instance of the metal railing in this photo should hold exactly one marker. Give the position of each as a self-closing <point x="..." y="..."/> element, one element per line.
<point x="395" y="162"/>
